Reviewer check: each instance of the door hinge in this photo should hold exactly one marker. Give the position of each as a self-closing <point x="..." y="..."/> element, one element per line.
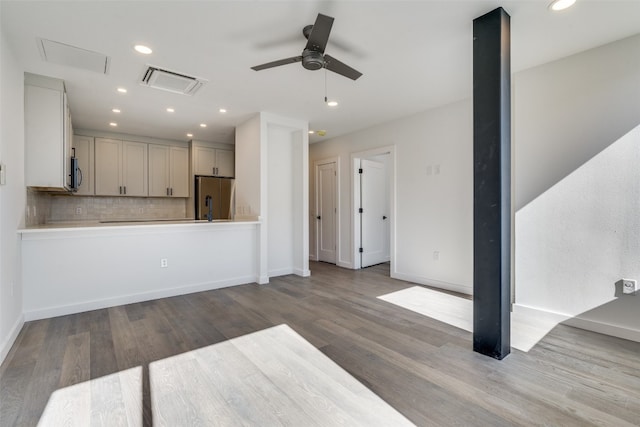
<point x="360" y="210"/>
<point x="360" y="170"/>
<point x="360" y="250"/>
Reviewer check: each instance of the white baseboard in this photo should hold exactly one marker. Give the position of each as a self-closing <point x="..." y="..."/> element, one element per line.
<point x="281" y="272"/>
<point x="345" y="264"/>
<point x="302" y="273"/>
<point x="45" y="313"/>
<point x="589" y="324"/>
<point x="467" y="290"/>
<point x="11" y="338"/>
<point x="605" y="328"/>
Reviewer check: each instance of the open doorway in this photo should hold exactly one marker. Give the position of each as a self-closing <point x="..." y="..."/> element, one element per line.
<point x="374" y="207"/>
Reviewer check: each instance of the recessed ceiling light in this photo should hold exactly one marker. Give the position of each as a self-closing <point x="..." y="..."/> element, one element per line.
<point x="142" y="49"/>
<point x="122" y="90"/>
<point x="170" y="110"/>
<point x="322" y="132"/>
<point x="114" y="124"/>
<point x="189" y="135"/>
<point x="203" y="125"/>
<point x="223" y="110"/>
<point x="311" y="132"/>
<point x="115" y="110"/>
<point x="332" y="103"/>
<point x="561" y="4"/>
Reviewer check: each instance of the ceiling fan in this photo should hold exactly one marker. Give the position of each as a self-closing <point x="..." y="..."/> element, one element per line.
<point x="313" y="56"/>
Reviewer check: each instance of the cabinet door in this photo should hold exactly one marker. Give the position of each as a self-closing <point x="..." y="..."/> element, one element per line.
<point x="225" y="163"/>
<point x="134" y="168"/>
<point x="83" y="146"/>
<point x="67" y="141"/>
<point x="205" y="160"/>
<point x="179" y="167"/>
<point x="107" y="167"/>
<point x="44" y="137"/>
<point x="159" y="170"/>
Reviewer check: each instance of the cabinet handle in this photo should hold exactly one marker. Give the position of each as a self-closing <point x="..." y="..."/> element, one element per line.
<point x="120" y="189"/>
<point x="125" y="189"/>
<point x="213" y="171"/>
<point x="172" y="191"/>
<point x="167" y="191"/>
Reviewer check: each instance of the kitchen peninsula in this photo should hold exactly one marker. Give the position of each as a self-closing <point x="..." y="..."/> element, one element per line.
<point x="70" y="267"/>
<point x="78" y="268"/>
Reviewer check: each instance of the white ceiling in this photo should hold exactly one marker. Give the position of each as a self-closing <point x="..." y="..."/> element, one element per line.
<point x="414" y="55"/>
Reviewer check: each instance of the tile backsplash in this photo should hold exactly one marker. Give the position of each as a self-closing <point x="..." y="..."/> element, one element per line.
<point x="43" y="208"/>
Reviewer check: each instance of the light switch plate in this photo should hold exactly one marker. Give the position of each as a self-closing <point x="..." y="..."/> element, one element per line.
<point x="3" y="174"/>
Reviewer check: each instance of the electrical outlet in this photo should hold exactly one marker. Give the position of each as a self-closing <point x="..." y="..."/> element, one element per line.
<point x="164" y="263"/>
<point x="78" y="210"/>
<point x="629" y="286"/>
<point x="140" y="210"/>
<point x="34" y="211"/>
<point x="436" y="255"/>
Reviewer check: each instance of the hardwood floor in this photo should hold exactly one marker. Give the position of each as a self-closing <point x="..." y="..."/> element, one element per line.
<point x="425" y="369"/>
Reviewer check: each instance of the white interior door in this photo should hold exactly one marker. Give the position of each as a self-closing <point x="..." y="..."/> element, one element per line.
<point x="373" y="217"/>
<point x="326" y="213"/>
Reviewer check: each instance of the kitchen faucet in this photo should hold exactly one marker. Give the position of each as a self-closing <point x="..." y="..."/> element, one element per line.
<point x="209" y="202"/>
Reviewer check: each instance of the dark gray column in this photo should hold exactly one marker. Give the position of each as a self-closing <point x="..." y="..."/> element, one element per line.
<point x="492" y="184"/>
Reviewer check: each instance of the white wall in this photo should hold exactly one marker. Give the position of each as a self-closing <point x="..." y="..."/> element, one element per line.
<point x="567" y="111"/>
<point x="78" y="269"/>
<point x="12" y="195"/>
<point x="577" y="186"/>
<point x="273" y="185"/>
<point x="248" y="168"/>
<point x="280" y="212"/>
<point x="434" y="210"/>
<point x="582" y="235"/>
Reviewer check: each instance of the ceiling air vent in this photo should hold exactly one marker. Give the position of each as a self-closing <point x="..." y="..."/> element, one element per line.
<point x="171" y="81"/>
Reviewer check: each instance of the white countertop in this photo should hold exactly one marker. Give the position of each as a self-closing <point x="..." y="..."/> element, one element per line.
<point x="128" y="226"/>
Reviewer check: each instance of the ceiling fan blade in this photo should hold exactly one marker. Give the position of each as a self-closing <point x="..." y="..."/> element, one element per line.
<point x="277" y="63"/>
<point x="332" y="64"/>
<point x="320" y="33"/>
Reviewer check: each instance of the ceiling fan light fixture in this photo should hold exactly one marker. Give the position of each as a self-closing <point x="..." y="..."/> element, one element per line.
<point x="558" y="5"/>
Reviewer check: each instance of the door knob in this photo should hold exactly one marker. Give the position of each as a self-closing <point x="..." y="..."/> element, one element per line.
<point x="318" y="217"/>
<point x="384" y="217"/>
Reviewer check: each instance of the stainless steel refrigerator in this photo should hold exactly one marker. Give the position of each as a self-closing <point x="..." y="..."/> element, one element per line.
<point x="216" y="196"/>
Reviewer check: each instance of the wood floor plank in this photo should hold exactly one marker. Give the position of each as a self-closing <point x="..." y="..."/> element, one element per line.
<point x="75" y="363"/>
<point x="424" y="368"/>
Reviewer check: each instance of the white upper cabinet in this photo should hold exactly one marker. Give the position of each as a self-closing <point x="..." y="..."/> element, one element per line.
<point x="120" y="168"/>
<point x="225" y="163"/>
<point x="168" y="171"/>
<point x="213" y="161"/>
<point x="47" y="133"/>
<point x="83" y="147"/>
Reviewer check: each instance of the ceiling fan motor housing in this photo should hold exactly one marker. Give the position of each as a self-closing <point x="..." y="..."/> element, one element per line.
<point x="312" y="60"/>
